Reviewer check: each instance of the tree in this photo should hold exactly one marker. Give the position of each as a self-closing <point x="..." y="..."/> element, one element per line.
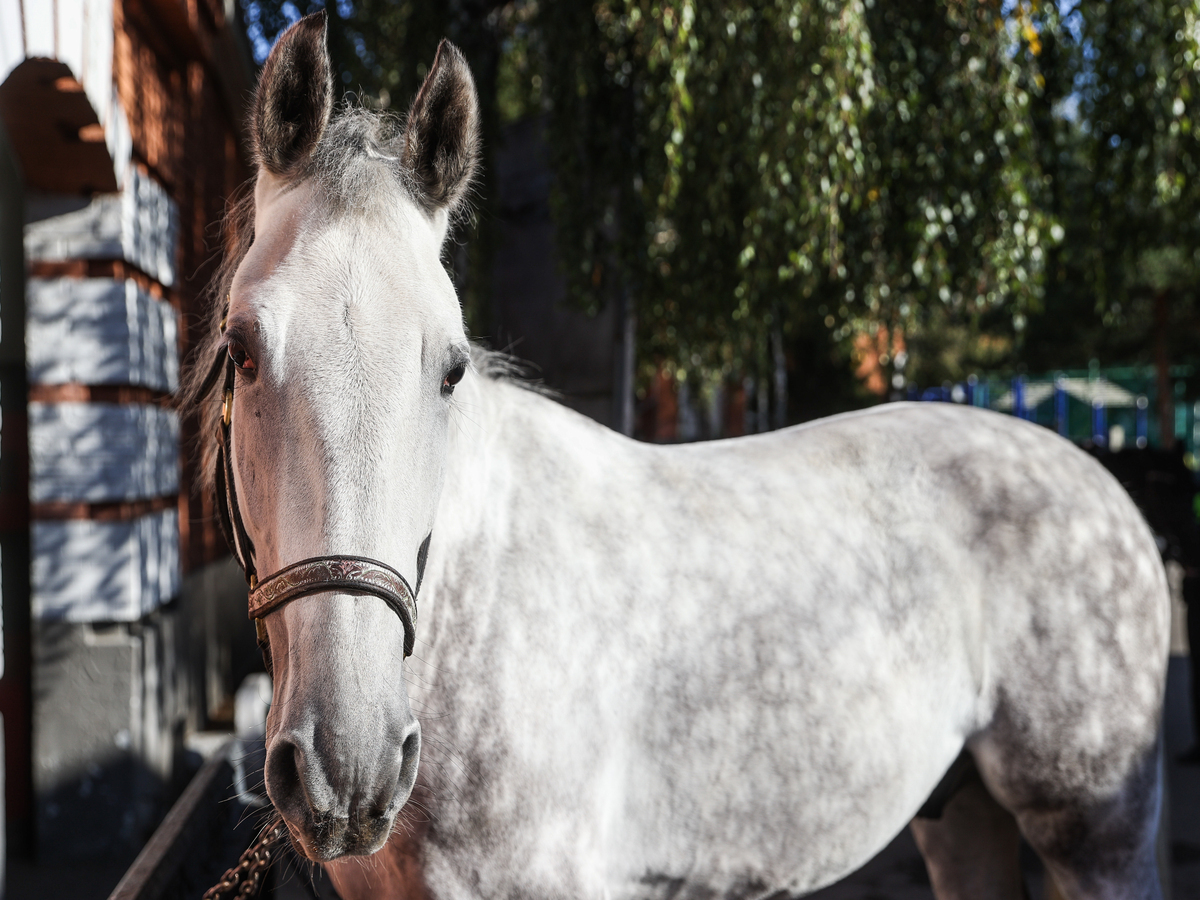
<point x="908" y="178"/>
<point x="1116" y="122"/>
<point x="743" y="166"/>
<point x="949" y="243"/>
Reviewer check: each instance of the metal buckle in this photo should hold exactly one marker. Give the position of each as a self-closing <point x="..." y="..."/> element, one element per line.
<point x="227" y="407"/>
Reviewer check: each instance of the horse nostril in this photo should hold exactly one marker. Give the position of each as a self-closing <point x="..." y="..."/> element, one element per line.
<point x="410" y="757"/>
<point x="412" y="743"/>
<point x="284" y="762"/>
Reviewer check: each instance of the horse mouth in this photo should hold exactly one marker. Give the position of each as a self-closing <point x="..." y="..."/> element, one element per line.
<point x="326" y="838"/>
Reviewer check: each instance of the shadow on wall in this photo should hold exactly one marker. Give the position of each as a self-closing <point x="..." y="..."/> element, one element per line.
<point x="117" y="699"/>
<point x="211" y="839"/>
<point x="108" y="760"/>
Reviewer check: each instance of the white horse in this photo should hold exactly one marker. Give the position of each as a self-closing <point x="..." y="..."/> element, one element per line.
<point x="725" y="670"/>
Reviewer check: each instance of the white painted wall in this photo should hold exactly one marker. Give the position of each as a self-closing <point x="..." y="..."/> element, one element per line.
<point x="85" y="571"/>
<point x="140" y="225"/>
<point x="100" y="331"/>
<point x="102" y="452"/>
<point x="78" y="33"/>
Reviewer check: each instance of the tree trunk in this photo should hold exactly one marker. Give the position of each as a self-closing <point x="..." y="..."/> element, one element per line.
<point x="780" y="360"/>
<point x="625" y="326"/>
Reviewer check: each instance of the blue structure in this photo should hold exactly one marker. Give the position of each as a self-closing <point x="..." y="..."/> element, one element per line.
<point x="1099" y="423"/>
<point x="1086" y="405"/>
<point x="1018" y="393"/>
<point x="1062" y="419"/>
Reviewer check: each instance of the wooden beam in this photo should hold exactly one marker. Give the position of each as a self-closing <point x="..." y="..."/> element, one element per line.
<point x="116" y="511"/>
<point x="97" y="393"/>
<point x="173" y="842"/>
<point x="54" y="130"/>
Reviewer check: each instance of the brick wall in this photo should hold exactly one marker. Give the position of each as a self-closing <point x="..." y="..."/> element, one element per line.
<point x="113" y="300"/>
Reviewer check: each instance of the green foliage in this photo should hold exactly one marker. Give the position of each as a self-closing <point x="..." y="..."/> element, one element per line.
<point x="520" y="88"/>
<point x="993" y="184"/>
<point x="729" y="165"/>
<point x="704" y="154"/>
<point x="1116" y="124"/>
<point x="950" y="241"/>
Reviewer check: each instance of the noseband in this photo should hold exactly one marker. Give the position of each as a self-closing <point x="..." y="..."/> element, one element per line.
<point x="345" y="574"/>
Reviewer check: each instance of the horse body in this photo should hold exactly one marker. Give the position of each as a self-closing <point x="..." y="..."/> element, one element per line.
<point x="646" y="666"/>
<point x="725" y="669"/>
<point x="672" y="665"/>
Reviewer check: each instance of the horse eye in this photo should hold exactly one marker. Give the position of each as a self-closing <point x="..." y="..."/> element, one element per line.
<point x="240" y="357"/>
<point x="453" y="377"/>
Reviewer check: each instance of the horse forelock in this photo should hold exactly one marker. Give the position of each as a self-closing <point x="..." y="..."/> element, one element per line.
<point x="358" y="163"/>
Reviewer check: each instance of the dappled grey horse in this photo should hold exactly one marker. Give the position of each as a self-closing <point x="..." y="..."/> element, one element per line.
<point x="733" y="669"/>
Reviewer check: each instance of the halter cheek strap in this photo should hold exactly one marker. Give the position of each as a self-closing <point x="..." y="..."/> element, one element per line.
<point x="344" y="574"/>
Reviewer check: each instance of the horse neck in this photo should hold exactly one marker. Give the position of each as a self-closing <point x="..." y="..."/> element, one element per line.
<point x="504" y="438"/>
<point x="484" y="442"/>
<point x="485" y="450"/>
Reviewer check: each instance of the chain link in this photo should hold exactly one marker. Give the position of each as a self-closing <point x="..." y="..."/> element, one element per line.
<point x="245" y="878"/>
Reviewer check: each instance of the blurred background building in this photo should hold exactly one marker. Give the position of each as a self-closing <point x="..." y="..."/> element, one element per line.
<point x="120" y="142"/>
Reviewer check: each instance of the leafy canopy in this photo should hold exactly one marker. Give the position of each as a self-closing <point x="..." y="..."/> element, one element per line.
<point x="945" y="181"/>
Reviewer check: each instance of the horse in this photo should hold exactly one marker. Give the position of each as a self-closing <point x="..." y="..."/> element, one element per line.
<point x="734" y="669"/>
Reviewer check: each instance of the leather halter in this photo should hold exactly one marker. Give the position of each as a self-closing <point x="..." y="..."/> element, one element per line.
<point x="345" y="574"/>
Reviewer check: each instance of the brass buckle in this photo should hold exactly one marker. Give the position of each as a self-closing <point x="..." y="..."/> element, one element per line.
<point x="227" y="407"/>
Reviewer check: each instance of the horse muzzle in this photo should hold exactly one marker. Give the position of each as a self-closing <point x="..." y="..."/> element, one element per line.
<point x="337" y="804"/>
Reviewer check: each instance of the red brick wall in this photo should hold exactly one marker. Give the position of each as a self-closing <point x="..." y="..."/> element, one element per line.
<point x="186" y="136"/>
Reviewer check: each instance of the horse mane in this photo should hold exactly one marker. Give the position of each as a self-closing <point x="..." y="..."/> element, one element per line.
<point x="358" y="148"/>
<point x="237" y="228"/>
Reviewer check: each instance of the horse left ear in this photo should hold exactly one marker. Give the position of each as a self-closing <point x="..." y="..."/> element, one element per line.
<point x="441" y="136"/>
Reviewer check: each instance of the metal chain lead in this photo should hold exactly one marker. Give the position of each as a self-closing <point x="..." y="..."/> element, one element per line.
<point x="244" y="879"/>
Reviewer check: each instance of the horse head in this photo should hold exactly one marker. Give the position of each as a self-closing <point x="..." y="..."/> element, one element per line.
<point x="346" y="341"/>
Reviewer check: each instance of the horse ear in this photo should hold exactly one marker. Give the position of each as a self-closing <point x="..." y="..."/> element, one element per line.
<point x="441" y="136"/>
<point x="294" y="98"/>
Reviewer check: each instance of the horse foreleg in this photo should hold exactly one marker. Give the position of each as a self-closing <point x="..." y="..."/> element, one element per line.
<point x="971" y="852"/>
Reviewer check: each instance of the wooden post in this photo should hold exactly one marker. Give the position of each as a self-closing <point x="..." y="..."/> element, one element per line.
<point x="624" y="361"/>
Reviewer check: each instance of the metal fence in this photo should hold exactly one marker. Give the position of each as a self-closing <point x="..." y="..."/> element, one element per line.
<point x="1111" y="408"/>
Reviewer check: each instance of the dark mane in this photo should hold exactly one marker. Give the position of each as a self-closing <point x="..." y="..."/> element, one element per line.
<point x="237" y="231"/>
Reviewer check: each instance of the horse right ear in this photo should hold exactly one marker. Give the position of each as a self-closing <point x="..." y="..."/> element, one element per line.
<point x="294" y="98"/>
